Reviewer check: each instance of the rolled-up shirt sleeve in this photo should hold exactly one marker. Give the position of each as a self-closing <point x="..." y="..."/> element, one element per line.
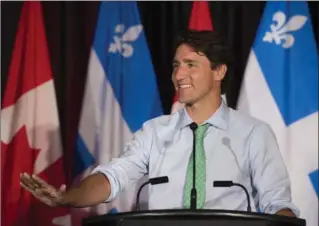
<point x="269" y="173"/>
<point x="131" y="165"/>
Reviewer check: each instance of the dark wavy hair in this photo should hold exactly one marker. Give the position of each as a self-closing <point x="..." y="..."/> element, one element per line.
<point x="208" y="43"/>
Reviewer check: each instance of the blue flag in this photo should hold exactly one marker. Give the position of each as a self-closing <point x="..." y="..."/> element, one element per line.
<point x="121" y="92"/>
<point x="280" y="87"/>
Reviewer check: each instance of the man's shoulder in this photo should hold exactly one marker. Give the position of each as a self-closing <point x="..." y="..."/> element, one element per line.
<point x="244" y="120"/>
<point x="164" y="120"/>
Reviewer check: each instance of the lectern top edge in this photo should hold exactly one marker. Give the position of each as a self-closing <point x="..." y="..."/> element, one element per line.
<point x="206" y="213"/>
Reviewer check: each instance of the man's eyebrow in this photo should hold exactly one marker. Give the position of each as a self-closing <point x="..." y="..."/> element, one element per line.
<point x="185" y="61"/>
<point x="190" y="61"/>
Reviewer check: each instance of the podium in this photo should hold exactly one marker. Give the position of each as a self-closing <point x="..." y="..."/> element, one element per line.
<point x="186" y="217"/>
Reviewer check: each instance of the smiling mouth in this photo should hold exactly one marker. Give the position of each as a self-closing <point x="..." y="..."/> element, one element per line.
<point x="184" y="86"/>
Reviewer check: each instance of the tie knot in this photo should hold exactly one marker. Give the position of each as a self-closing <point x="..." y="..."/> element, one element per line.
<point x="200" y="131"/>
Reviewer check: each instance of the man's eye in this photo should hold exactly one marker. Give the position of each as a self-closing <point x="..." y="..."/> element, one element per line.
<point x="190" y="65"/>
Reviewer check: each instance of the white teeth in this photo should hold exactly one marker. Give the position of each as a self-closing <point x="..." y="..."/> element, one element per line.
<point x="184" y="86"/>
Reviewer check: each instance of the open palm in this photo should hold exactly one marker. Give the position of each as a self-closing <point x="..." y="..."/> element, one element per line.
<point x="42" y="190"/>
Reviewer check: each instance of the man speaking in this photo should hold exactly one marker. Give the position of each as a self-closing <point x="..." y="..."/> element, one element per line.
<point x="206" y="137"/>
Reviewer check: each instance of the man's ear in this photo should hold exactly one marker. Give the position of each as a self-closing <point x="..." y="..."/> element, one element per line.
<point x="220" y="72"/>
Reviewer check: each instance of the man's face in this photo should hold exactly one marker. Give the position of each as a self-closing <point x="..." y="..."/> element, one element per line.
<point x="192" y="75"/>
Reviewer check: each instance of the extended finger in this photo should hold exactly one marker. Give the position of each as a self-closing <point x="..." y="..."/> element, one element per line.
<point x="47" y="192"/>
<point x="27" y="181"/>
<point x="26" y="187"/>
<point x="39" y="182"/>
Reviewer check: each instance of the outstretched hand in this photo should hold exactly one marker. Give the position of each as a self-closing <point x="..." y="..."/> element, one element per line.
<point x="42" y="190"/>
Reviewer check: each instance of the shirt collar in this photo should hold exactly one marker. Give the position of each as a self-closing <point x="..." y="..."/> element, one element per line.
<point x="219" y="119"/>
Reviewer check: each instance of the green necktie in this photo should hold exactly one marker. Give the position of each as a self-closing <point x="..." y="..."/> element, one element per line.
<point x="200" y="170"/>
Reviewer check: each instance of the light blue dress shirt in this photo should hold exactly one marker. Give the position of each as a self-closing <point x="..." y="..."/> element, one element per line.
<point x="238" y="148"/>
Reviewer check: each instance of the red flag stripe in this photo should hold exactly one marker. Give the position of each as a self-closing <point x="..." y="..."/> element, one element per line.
<point x="200" y="17"/>
<point x="30" y="140"/>
<point x="25" y="73"/>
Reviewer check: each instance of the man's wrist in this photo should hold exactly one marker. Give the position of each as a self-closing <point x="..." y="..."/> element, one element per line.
<point x="65" y="200"/>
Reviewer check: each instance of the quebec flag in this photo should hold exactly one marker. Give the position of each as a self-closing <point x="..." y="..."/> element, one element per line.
<point x="120" y="95"/>
<point x="280" y="87"/>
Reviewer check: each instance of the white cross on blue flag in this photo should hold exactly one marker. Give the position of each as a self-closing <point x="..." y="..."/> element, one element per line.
<point x="120" y="95"/>
<point x="280" y="87"/>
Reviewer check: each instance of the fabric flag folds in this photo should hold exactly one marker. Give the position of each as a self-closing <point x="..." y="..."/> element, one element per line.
<point x="30" y="133"/>
<point x="120" y="95"/>
<point x="280" y="87"/>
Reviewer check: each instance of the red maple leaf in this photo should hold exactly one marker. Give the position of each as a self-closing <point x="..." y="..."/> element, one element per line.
<point x="18" y="205"/>
<point x="17" y="157"/>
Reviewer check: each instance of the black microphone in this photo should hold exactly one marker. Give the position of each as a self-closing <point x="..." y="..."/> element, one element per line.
<point x="229" y="183"/>
<point x="152" y="181"/>
<point x="193" y="198"/>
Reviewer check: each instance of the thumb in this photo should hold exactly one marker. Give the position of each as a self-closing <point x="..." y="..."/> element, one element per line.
<point x="62" y="188"/>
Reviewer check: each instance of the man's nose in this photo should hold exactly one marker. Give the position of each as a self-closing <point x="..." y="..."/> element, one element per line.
<point x="180" y="73"/>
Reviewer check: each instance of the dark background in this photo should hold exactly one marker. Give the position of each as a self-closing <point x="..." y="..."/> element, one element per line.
<point x="70" y="30"/>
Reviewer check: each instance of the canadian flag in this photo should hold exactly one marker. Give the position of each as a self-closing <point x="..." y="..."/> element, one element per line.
<point x="200" y="20"/>
<point x="30" y="136"/>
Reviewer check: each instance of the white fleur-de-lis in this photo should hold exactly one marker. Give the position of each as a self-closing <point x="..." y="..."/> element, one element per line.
<point x="119" y="28"/>
<point x="279" y="30"/>
<point x="120" y="42"/>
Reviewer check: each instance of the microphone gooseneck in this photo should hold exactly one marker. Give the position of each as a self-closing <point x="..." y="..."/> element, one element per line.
<point x="193" y="199"/>
<point x="229" y="183"/>
<point x="152" y="181"/>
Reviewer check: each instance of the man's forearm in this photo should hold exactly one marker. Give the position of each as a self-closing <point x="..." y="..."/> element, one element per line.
<point x="286" y="212"/>
<point x="91" y="191"/>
